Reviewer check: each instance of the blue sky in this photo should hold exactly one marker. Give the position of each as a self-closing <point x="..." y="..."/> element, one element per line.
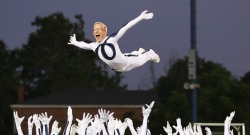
<point x="223" y="29"/>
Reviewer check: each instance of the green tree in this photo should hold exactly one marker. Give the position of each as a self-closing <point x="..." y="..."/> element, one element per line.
<point x="8" y="92"/>
<point x="7" y="75"/>
<point x="47" y="63"/>
<point x="219" y="95"/>
<point x="174" y="100"/>
<point x="246" y="78"/>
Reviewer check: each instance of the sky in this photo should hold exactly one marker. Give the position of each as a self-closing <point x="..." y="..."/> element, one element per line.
<point x="223" y="29"/>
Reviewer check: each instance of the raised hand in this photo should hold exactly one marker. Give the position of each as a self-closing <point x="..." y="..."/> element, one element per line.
<point x="227" y="123"/>
<point x="91" y="131"/>
<point x="105" y="115"/>
<point x="168" y="129"/>
<point x="186" y="131"/>
<point x="190" y="129"/>
<point x="55" y="130"/>
<point x="30" y="122"/>
<point x="208" y="131"/>
<point x="199" y="130"/>
<point x="70" y="114"/>
<point x="131" y="126"/>
<point x="129" y="122"/>
<point x="73" y="129"/>
<point x="231" y="117"/>
<point x="77" y="129"/>
<point x="195" y="129"/>
<point x="96" y="124"/>
<point x="18" y="122"/>
<point x="147" y="111"/>
<point x="145" y="15"/>
<point x="37" y="123"/>
<point x="231" y="132"/>
<point x="86" y="119"/>
<point x="83" y="124"/>
<point x="30" y="125"/>
<point x="73" y="40"/>
<point x="36" y="120"/>
<point x="121" y="126"/>
<point x="111" y="126"/>
<point x="138" y="130"/>
<point x="69" y="122"/>
<point x="178" y="128"/>
<point x="44" y="118"/>
<point x="45" y="122"/>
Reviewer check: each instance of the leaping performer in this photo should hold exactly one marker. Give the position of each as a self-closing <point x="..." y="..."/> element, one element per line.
<point x="108" y="49"/>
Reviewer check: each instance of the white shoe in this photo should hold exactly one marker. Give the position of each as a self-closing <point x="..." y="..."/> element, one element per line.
<point x="141" y="50"/>
<point x="155" y="58"/>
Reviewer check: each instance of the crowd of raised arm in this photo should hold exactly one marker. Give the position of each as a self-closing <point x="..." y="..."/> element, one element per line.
<point x="104" y="123"/>
<point x="196" y="129"/>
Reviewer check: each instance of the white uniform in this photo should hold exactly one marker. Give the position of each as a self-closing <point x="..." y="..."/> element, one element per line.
<point x="109" y="52"/>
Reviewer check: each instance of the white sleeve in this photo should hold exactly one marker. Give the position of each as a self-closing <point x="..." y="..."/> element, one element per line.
<point x="127" y="26"/>
<point x="83" y="45"/>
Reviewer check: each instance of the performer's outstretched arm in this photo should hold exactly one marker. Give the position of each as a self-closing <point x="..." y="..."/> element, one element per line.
<point x="79" y="44"/>
<point x="143" y="15"/>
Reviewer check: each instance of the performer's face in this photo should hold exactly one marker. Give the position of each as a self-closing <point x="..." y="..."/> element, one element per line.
<point x="99" y="32"/>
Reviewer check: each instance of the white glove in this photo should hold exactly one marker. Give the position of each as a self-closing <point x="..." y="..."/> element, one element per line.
<point x="96" y="124"/>
<point x="168" y="129"/>
<point x="227" y="123"/>
<point x="30" y="125"/>
<point x="208" y="131"/>
<point x="86" y="119"/>
<point x="73" y="40"/>
<point x="131" y="126"/>
<point x="121" y="126"/>
<point x="44" y="118"/>
<point x="178" y="128"/>
<point x="69" y="122"/>
<point x="105" y="115"/>
<point x="83" y="124"/>
<point x="55" y="130"/>
<point x="37" y="124"/>
<point x="191" y="129"/>
<point x="146" y="16"/>
<point x="45" y="122"/>
<point x="36" y="120"/>
<point x="70" y="114"/>
<point x="147" y="111"/>
<point x="199" y="130"/>
<point x="18" y="122"/>
<point x="73" y="129"/>
<point x="186" y="131"/>
<point x="111" y="126"/>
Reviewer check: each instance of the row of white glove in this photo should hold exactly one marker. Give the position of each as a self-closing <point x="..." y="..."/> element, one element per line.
<point x="196" y="129"/>
<point x="103" y="122"/>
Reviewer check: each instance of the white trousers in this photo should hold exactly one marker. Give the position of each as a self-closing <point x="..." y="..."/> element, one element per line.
<point x="136" y="59"/>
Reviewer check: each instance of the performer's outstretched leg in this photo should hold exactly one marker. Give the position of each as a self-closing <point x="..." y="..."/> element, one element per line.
<point x="135" y="61"/>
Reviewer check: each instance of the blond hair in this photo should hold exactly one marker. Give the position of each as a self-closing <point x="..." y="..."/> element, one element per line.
<point x="104" y="27"/>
